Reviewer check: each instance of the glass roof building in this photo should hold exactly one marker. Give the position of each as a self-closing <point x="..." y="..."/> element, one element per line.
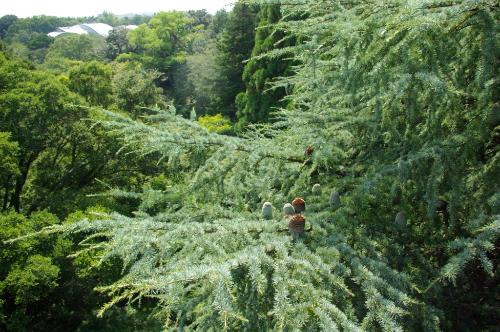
<point x="101" y="29"/>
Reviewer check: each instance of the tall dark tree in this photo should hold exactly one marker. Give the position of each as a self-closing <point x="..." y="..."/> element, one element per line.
<point x="5" y="22"/>
<point x="259" y="99"/>
<point x="9" y="168"/>
<point x="235" y="47"/>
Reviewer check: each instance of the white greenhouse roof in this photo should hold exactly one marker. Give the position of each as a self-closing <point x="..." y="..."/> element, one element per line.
<point x="99" y="28"/>
<point x="74" y="29"/>
<point x="54" y="33"/>
<point x="84" y="29"/>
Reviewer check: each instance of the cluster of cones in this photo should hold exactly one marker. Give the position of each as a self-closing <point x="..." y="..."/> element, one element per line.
<point x="297" y="222"/>
<point x="293" y="212"/>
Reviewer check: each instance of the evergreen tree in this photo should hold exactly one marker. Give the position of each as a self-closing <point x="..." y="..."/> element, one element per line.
<point x="235" y="46"/>
<point x="260" y="98"/>
<point x="217" y="23"/>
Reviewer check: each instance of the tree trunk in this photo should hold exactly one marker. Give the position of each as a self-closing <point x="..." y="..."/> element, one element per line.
<point x="24" y="166"/>
<point x="6" y="194"/>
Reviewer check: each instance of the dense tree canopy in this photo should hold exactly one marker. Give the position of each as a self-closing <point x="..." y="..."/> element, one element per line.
<point x="135" y="88"/>
<point x="158" y="44"/>
<point x="37" y="112"/>
<point x="92" y="81"/>
<point x="77" y="47"/>
<point x="117" y="42"/>
<point x="5" y="22"/>
<point x="9" y="170"/>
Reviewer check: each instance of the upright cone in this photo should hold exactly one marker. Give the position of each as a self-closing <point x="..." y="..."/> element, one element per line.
<point x="299" y="205"/>
<point x="288" y="209"/>
<point x="297" y="225"/>
<point x="267" y="210"/>
<point x="335" y="199"/>
<point x="400" y="219"/>
<point x="316" y="189"/>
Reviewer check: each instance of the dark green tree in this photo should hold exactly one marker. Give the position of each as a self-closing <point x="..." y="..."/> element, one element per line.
<point x="42" y="289"/>
<point x="117" y="43"/>
<point x="28" y="275"/>
<point x="199" y="18"/>
<point x="60" y="156"/>
<point x="5" y="22"/>
<point x="235" y="46"/>
<point x="261" y="97"/>
<point x="218" y="23"/>
<point x="38" y="112"/>
<point x="9" y="168"/>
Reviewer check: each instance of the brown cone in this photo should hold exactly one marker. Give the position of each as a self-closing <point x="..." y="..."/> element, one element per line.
<point x="297" y="224"/>
<point x="299" y="204"/>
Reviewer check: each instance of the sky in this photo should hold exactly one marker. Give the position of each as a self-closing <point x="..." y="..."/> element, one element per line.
<point x="25" y="8"/>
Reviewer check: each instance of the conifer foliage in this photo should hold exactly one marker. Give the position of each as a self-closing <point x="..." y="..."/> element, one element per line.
<point x="260" y="98"/>
<point x="235" y="46"/>
<point x="394" y="108"/>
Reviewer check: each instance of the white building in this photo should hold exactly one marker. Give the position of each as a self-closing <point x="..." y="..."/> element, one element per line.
<point x="101" y="29"/>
